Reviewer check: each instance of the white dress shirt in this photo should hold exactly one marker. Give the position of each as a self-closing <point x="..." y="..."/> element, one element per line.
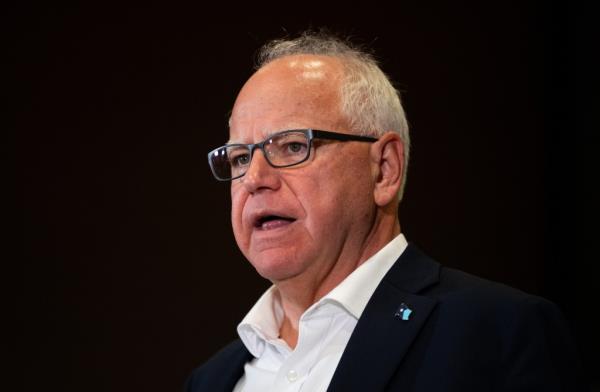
<point x="323" y="332"/>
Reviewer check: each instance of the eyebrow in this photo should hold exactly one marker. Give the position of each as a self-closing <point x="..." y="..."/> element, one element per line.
<point x="269" y="135"/>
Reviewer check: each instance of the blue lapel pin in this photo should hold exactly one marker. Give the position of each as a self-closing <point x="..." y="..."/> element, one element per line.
<point x="403" y="312"/>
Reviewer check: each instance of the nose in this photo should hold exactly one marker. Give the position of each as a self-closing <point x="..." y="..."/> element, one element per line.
<point x="260" y="175"/>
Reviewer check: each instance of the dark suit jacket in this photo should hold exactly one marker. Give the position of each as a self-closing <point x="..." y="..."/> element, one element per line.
<point x="464" y="334"/>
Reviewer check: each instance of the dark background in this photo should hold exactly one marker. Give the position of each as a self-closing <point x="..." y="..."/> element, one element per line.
<point x="128" y="275"/>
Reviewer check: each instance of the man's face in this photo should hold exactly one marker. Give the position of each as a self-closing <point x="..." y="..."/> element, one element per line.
<point x="299" y="221"/>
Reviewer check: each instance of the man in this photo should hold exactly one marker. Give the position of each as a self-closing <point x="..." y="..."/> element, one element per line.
<point x="317" y="159"/>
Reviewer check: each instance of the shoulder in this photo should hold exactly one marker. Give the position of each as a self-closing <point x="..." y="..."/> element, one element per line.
<point x="470" y="296"/>
<point x="417" y="273"/>
<point x="518" y="324"/>
<point x="223" y="368"/>
<point x="528" y="334"/>
<point x="460" y="288"/>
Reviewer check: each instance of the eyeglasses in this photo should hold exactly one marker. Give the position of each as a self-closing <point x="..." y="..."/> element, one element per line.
<point x="283" y="149"/>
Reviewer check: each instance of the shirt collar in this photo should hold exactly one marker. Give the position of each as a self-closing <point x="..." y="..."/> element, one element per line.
<point x="262" y="323"/>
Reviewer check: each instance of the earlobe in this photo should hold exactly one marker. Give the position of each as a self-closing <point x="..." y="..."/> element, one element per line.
<point x="388" y="159"/>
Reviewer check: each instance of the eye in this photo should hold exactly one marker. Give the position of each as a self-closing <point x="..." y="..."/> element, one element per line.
<point x="296" y="147"/>
<point x="239" y="160"/>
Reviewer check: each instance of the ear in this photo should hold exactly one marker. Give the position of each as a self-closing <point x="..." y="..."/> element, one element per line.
<point x="387" y="159"/>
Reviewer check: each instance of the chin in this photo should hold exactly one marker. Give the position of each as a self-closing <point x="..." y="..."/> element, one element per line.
<point x="276" y="267"/>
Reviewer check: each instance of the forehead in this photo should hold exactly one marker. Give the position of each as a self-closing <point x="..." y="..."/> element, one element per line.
<point x="291" y="92"/>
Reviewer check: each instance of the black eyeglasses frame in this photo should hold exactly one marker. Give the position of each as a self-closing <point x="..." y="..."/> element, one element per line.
<point x="310" y="135"/>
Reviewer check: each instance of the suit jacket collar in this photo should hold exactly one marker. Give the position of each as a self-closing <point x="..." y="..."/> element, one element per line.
<point x="414" y="271"/>
<point x="235" y="369"/>
<point x="380" y="339"/>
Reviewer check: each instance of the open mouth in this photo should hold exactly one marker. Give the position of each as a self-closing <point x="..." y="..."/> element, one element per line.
<point x="268" y="222"/>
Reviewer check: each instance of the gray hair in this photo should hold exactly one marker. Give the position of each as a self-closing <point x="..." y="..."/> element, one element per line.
<point x="370" y="102"/>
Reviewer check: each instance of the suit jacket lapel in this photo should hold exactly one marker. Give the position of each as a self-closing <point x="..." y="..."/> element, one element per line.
<point x="222" y="373"/>
<point x="380" y="339"/>
<point x="233" y="372"/>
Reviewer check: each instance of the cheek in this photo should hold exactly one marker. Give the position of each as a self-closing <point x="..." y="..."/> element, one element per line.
<point x="321" y="198"/>
<point x="237" y="209"/>
<point x="338" y="196"/>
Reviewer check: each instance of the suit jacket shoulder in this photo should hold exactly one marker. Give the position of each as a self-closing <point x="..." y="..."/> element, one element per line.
<point x="464" y="333"/>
